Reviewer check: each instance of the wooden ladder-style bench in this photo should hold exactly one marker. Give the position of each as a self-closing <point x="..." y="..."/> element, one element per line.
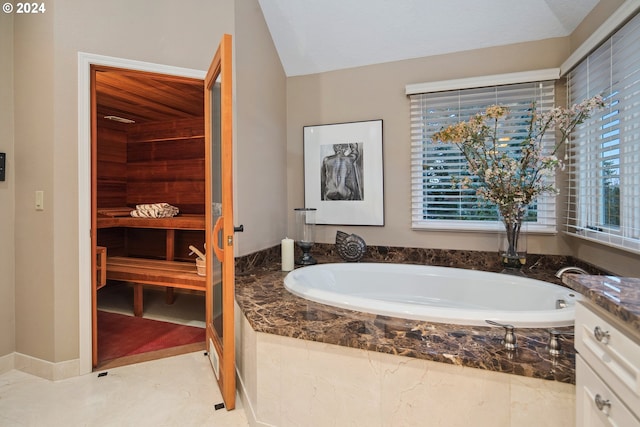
<point x="142" y="271"/>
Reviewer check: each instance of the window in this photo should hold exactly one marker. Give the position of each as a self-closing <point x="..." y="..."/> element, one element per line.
<point x="604" y="182"/>
<point x="436" y="201"/>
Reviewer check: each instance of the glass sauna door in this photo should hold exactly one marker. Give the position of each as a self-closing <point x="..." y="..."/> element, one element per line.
<point x="219" y="221"/>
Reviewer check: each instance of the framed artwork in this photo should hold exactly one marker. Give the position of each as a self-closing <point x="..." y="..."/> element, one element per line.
<point x="343" y="175"/>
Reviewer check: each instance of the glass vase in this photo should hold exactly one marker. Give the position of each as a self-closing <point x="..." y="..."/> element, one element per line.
<point x="512" y="245"/>
<point x="305" y="234"/>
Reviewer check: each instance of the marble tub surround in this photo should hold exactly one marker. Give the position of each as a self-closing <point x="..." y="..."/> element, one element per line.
<point x="538" y="266"/>
<point x="299" y="360"/>
<point x="261" y="258"/>
<point x="619" y="296"/>
<point x="541" y="267"/>
<point x="271" y="309"/>
<point x="296" y="382"/>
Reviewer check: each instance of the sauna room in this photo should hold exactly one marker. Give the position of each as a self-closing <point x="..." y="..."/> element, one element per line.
<point x="148" y="205"/>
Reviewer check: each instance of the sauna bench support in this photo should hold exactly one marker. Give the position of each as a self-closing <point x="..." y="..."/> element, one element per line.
<point x="141" y="271"/>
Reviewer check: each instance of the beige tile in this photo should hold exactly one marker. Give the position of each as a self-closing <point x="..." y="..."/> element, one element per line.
<point x="418" y="392"/>
<point x="246" y="354"/>
<point x="179" y="390"/>
<point x="297" y="383"/>
<point x="319" y="384"/>
<point x="536" y="402"/>
<point x="346" y="386"/>
<point x="268" y="379"/>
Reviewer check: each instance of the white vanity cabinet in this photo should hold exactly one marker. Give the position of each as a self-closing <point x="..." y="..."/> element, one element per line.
<point x="607" y="372"/>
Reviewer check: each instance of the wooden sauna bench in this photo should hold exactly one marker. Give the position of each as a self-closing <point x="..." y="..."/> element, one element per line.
<point x="141" y="271"/>
<point x="156" y="272"/>
<point x="181" y="222"/>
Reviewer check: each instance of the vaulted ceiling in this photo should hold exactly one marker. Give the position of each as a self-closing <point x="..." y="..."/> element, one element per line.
<point x="314" y="36"/>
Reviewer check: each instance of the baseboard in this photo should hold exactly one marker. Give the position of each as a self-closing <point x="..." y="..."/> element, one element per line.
<point x="7" y="363"/>
<point x="45" y="369"/>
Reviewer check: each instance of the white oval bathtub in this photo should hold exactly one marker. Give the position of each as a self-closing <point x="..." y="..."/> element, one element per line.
<point x="436" y="294"/>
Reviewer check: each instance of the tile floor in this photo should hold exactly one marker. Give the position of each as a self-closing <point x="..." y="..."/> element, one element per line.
<point x="176" y="391"/>
<point x="188" y="309"/>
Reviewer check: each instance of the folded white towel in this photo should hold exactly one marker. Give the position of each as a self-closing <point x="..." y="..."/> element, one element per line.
<point x="217" y="208"/>
<point x="155" y="210"/>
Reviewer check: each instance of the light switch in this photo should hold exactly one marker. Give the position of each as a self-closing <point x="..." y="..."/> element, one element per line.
<point x="39" y="200"/>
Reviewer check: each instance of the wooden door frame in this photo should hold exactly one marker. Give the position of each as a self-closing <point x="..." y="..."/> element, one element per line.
<point x="86" y="257"/>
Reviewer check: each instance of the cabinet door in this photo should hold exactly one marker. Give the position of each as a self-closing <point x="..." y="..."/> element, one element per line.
<point x="611" y="353"/>
<point x="219" y="221"/>
<point x="596" y="404"/>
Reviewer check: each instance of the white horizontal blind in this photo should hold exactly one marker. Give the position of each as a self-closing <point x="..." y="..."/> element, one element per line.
<point x="604" y="182"/>
<point x="435" y="201"/>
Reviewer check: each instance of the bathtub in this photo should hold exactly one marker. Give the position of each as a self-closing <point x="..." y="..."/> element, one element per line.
<point x="436" y="294"/>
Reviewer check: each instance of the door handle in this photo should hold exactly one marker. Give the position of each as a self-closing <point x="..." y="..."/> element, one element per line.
<point x="238" y="229"/>
<point x="216" y="244"/>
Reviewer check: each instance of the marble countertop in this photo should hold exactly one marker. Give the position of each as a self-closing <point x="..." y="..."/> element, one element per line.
<point x="619" y="296"/>
<point x="271" y="309"/>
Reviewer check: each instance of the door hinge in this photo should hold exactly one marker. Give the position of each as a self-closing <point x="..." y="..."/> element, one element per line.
<point x="229" y="240"/>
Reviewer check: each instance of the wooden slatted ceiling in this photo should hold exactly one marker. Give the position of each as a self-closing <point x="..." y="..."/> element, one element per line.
<point x="147" y="97"/>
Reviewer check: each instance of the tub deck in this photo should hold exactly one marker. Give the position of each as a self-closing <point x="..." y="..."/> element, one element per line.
<point x="271" y="309"/>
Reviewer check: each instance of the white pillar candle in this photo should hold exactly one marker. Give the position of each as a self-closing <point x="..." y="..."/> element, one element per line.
<point x="287" y="254"/>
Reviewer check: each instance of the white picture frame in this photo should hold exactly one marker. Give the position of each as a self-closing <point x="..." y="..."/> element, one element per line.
<point x="343" y="172"/>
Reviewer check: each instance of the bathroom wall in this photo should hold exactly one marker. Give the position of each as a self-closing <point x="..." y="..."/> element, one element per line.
<point x="35" y="275"/>
<point x="46" y="136"/>
<point x="7" y="190"/>
<point x="377" y="92"/>
<point x="621" y="262"/>
<point x="270" y="113"/>
<point x="261" y="155"/>
<point x="592" y="21"/>
<point x="46" y="90"/>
